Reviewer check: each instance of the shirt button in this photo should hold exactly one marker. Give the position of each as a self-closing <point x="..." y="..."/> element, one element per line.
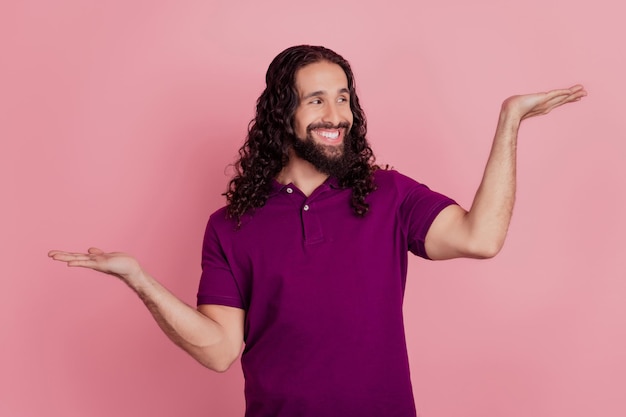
<point x="289" y="190"/>
<point x="306" y="207"/>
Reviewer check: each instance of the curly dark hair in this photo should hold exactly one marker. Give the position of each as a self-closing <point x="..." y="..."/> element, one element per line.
<point x="266" y="149"/>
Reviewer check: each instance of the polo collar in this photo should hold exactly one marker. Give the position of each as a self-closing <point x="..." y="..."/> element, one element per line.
<point x="276" y="187"/>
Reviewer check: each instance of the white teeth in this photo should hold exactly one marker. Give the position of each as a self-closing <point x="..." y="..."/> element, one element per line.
<point x="329" y="135"/>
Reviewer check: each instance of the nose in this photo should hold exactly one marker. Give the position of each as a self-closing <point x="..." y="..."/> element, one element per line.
<point x="332" y="114"/>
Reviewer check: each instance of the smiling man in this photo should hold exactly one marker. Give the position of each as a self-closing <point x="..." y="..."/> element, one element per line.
<point x="306" y="264"/>
<point x="323" y="117"/>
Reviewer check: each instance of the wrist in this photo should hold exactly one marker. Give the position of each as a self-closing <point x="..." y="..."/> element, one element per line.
<point x="509" y="119"/>
<point x="510" y="115"/>
<point x="137" y="279"/>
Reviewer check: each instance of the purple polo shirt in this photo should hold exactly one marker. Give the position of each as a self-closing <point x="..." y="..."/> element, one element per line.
<point x="323" y="290"/>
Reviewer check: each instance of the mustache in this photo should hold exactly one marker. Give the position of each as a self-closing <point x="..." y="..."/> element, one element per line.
<point x="327" y="125"/>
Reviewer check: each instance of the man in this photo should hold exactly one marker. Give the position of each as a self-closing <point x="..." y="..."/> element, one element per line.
<point x="307" y="263"/>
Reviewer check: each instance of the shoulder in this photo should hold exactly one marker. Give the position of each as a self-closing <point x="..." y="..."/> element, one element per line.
<point x="394" y="186"/>
<point x="391" y="180"/>
<point x="220" y="215"/>
<point x="219" y="221"/>
<point x="222" y="224"/>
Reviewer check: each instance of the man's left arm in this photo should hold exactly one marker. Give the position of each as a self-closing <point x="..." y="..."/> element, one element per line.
<point x="480" y="232"/>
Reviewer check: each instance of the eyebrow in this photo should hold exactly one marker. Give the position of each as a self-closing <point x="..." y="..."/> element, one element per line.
<point x="322" y="93"/>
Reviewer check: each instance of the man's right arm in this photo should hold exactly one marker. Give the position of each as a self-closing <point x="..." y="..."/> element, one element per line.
<point x="212" y="334"/>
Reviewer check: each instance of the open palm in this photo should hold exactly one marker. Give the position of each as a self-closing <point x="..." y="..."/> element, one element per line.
<point x="118" y="264"/>
<point x="529" y="105"/>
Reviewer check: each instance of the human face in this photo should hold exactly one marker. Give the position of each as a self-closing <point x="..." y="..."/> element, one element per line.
<point x="323" y="115"/>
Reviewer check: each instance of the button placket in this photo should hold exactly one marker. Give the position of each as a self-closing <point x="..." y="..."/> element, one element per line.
<point x="311" y="224"/>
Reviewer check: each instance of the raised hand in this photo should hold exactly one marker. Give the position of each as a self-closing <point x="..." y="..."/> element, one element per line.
<point x="529" y="105"/>
<point x="213" y="336"/>
<point x="117" y="264"/>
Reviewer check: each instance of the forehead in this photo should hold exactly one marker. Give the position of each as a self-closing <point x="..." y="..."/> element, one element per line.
<point x="321" y="76"/>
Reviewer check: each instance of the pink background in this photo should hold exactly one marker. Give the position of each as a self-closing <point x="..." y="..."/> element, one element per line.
<point x="117" y="122"/>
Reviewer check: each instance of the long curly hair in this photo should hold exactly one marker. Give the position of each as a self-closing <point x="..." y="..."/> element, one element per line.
<point x="266" y="149"/>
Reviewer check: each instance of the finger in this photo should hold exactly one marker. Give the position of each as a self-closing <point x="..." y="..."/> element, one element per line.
<point x="67" y="257"/>
<point x="55" y="253"/>
<point x="64" y="252"/>
<point x="575" y="88"/>
<point x="559" y="101"/>
<point x="556" y="94"/>
<point x="580" y="93"/>
<point x="554" y="103"/>
<point x="95" y="251"/>
<point x="84" y="264"/>
<point x="577" y="93"/>
<point x="574" y="97"/>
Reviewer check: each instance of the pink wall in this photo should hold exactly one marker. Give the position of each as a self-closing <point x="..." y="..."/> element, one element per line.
<point x="118" y="118"/>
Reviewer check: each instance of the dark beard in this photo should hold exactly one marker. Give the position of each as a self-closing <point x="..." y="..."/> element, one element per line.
<point x="335" y="161"/>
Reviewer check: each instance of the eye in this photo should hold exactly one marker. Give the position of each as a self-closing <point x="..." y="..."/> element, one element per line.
<point x="316" y="101"/>
<point x="342" y="100"/>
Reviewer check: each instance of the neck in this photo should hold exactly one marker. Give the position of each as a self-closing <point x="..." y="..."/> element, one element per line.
<point x="302" y="174"/>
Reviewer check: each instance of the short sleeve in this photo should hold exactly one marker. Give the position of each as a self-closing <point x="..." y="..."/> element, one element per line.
<point x="217" y="283"/>
<point x="419" y="208"/>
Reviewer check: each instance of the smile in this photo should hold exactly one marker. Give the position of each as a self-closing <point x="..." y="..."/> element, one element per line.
<point x="327" y="134"/>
